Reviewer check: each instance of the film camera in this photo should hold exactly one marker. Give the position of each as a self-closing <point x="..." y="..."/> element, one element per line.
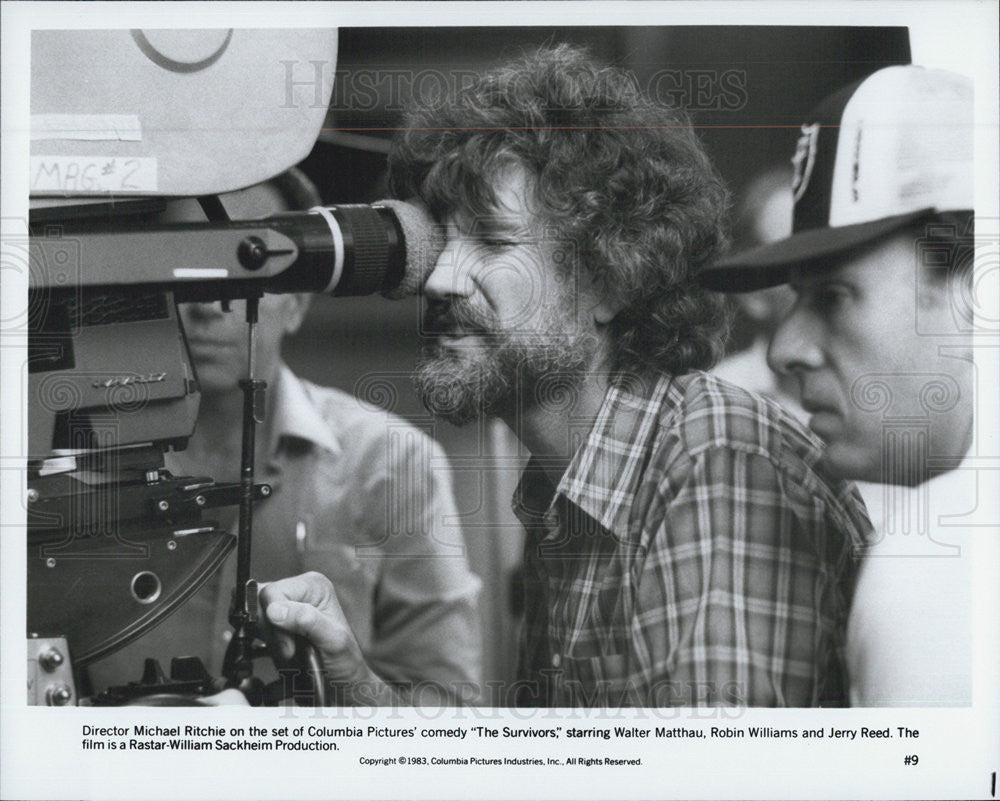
<point x="115" y="541"/>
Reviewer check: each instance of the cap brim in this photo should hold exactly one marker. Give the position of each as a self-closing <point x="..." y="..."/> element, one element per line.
<point x="768" y="265"/>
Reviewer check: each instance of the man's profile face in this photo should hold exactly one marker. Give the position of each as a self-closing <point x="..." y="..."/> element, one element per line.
<point x="503" y="313"/>
<point x="881" y="390"/>
<point x="218" y="339"/>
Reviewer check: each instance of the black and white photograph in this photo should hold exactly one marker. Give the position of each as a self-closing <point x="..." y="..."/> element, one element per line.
<point x="500" y="400"/>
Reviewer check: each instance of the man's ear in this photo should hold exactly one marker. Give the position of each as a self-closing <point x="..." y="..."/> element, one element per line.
<point x="603" y="308"/>
<point x="294" y="312"/>
<point x="605" y="311"/>
<point x="962" y="298"/>
<point x="949" y="297"/>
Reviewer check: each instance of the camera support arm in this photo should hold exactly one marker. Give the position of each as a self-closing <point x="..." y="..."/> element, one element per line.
<point x="244" y="617"/>
<point x="238" y="667"/>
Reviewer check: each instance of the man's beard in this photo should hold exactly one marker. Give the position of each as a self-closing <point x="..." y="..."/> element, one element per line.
<point x="501" y="373"/>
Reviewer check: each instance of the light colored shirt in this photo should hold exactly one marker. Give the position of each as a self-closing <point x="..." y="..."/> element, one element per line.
<point x="692" y="554"/>
<point x="364" y="498"/>
<point x="910" y="631"/>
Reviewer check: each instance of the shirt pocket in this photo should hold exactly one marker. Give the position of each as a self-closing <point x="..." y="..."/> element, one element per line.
<point x="596" y="681"/>
<point x="594" y="617"/>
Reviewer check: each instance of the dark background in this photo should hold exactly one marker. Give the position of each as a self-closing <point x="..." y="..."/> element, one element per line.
<point x="747" y="90"/>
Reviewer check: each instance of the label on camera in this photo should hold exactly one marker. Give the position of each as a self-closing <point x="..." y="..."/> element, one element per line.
<point x="90" y="174"/>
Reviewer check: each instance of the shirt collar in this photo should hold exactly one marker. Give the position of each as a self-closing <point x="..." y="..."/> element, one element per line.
<point x="295" y="415"/>
<point x="603" y="476"/>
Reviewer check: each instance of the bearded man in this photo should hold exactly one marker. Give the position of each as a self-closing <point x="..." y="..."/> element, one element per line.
<point x="682" y="546"/>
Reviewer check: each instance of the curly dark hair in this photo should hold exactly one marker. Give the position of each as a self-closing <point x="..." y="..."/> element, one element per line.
<point x="624" y="180"/>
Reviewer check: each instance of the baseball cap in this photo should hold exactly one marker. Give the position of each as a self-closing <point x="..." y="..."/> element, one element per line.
<point x="873" y="158"/>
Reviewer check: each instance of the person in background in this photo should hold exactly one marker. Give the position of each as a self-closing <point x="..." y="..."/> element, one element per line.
<point x="359" y="496"/>
<point x="763" y="214"/>
<point x="880" y="341"/>
<point x="682" y="548"/>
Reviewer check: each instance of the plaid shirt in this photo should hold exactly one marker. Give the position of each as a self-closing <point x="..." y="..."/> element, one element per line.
<point x="692" y="554"/>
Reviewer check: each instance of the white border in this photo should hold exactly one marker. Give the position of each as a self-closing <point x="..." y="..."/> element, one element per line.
<point x="958" y="747"/>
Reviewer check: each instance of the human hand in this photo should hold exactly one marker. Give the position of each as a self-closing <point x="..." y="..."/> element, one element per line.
<point x="307" y="605"/>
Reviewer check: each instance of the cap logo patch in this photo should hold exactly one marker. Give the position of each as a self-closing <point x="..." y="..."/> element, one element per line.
<point x="804" y="159"/>
<point x="856" y="167"/>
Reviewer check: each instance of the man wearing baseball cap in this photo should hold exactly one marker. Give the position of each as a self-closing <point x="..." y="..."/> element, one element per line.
<point x="880" y="340"/>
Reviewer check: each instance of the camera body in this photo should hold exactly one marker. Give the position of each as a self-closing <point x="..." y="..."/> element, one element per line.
<point x="121" y="122"/>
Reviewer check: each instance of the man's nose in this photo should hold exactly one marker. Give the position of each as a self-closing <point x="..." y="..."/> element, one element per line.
<point x="200" y="312"/>
<point x="795" y="344"/>
<point x="451" y="277"/>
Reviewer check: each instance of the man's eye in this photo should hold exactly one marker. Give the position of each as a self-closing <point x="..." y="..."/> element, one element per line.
<point x="830" y="298"/>
<point x="497" y="242"/>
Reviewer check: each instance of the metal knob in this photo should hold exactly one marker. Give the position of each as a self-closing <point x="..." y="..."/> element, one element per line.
<point x="58" y="695"/>
<point x="50" y="659"/>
